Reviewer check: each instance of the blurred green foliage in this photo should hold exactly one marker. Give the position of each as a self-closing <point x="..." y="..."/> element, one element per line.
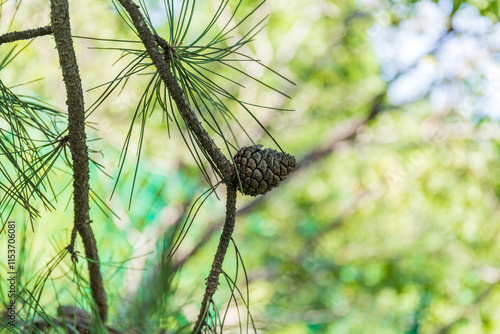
<point x="394" y="229"/>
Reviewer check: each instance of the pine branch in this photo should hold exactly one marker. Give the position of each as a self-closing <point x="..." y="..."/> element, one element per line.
<point x="25" y="34"/>
<point x="78" y="146"/>
<point x="163" y="68"/>
<point x="223" y="164"/>
<point x="162" y="63"/>
<point x="213" y="277"/>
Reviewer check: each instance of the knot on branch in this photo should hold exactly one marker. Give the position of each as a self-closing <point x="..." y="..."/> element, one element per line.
<point x="168" y="50"/>
<point x="262" y="170"/>
<point x="71" y="247"/>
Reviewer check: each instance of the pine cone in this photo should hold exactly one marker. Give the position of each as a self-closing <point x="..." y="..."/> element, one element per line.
<point x="262" y="170"/>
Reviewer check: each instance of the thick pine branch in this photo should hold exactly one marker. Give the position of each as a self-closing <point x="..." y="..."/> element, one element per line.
<point x="25" y="34"/>
<point x="78" y="147"/>
<point x="148" y="39"/>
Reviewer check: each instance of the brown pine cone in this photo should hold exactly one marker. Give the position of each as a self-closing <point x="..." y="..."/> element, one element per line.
<point x="262" y="170"/>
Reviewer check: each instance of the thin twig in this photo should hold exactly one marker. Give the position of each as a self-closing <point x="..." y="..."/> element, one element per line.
<point x="25" y="34"/>
<point x="79" y="151"/>
<point x="213" y="278"/>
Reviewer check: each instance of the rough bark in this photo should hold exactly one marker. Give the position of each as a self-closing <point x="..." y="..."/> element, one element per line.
<point x="25" y="34"/>
<point x="213" y="278"/>
<point x="148" y="39"/>
<point x="78" y="147"/>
